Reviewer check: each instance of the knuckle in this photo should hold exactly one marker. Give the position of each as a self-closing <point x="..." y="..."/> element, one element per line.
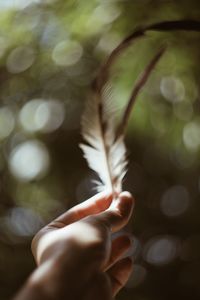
<point x="100" y="226"/>
<point x="92" y="238"/>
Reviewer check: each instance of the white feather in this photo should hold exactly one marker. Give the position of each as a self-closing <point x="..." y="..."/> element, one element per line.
<point x="104" y="148"/>
<point x="104" y="154"/>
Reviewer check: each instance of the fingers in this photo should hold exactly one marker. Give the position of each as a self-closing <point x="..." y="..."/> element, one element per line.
<point x="115" y="215"/>
<point x="119" y="213"/>
<point x="119" y="274"/>
<point x="119" y="247"/>
<point x="94" y="205"/>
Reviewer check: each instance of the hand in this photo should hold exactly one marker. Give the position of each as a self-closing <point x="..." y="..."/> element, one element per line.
<point x="76" y="256"/>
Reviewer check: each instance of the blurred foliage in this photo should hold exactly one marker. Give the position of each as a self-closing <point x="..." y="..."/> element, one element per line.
<point x="49" y="53"/>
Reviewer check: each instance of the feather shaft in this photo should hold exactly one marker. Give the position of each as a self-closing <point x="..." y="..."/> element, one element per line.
<point x="179" y="25"/>
<point x="105" y="147"/>
<point x="136" y="90"/>
<point x="99" y="140"/>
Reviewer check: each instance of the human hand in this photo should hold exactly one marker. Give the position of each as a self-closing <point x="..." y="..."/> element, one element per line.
<point x="76" y="256"/>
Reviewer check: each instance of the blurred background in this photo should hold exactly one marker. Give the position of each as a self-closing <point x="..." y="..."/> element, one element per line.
<point x="50" y="51"/>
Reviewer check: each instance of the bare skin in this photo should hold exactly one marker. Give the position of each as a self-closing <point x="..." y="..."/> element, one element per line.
<point x="76" y="257"/>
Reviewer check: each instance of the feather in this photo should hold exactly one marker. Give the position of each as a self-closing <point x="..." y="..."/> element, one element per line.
<point x="104" y="154"/>
<point x="104" y="147"/>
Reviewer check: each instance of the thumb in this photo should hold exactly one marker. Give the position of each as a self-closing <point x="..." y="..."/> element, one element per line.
<point x="119" y="213"/>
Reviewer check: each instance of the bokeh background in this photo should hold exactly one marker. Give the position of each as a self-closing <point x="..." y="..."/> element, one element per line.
<point x="50" y="51"/>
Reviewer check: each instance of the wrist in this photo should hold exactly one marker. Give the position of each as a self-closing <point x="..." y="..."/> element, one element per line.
<point x="42" y="284"/>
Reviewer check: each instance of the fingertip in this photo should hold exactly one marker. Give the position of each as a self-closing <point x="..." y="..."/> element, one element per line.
<point x="127" y="199"/>
<point x="119" y="212"/>
<point x="127" y="195"/>
<point x="125" y="204"/>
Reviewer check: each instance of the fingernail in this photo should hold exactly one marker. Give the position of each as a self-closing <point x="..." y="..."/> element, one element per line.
<point x="124" y="203"/>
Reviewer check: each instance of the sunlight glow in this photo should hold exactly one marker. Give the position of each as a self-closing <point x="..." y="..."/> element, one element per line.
<point x="7" y="122"/>
<point x="19" y="4"/>
<point x="42" y="115"/>
<point x="160" y="250"/>
<point x="20" y="59"/>
<point x="67" y="53"/>
<point x="23" y="222"/>
<point x="108" y="42"/>
<point x="172" y="89"/>
<point x="191" y="135"/>
<point x="175" y="201"/>
<point x="29" y="160"/>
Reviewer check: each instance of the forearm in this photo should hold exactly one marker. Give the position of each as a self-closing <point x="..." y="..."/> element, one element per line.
<point x="52" y="280"/>
<point x="32" y="291"/>
<point x="43" y="284"/>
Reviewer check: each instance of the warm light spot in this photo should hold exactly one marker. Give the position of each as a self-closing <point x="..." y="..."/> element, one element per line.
<point x="22" y="222"/>
<point x="172" y="89"/>
<point x="106" y="13"/>
<point x="108" y="42"/>
<point x="27" y="115"/>
<point x="42" y="115"/>
<point x="67" y="53"/>
<point x="19" y="4"/>
<point x="191" y="135"/>
<point x="7" y="122"/>
<point x="20" y="59"/>
<point x="50" y="115"/>
<point x="29" y="160"/>
<point x="103" y="15"/>
<point x="160" y="250"/>
<point x="175" y="201"/>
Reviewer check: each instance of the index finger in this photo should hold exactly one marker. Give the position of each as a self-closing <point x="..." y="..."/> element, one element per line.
<point x="94" y="205"/>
